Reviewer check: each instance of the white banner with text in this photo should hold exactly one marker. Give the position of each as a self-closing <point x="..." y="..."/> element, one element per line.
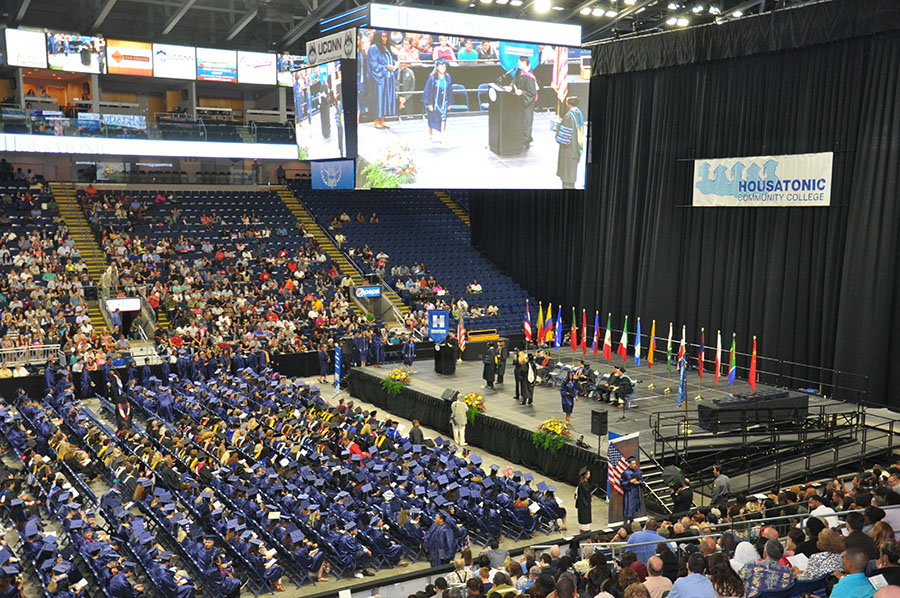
<point x="795" y="180"/>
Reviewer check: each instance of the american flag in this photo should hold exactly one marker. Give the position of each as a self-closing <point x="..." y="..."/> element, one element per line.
<point x="560" y="76"/>
<point x="461" y="333"/>
<point x="617" y="466"/>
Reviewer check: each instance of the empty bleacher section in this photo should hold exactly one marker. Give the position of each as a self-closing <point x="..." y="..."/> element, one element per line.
<point x="418" y="227"/>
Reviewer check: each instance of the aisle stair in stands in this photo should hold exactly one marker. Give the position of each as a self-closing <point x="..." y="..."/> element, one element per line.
<point x="454" y="206"/>
<point x="328" y="246"/>
<point x="80" y="232"/>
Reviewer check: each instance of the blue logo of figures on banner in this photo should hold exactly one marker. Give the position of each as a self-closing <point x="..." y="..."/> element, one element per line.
<point x="438" y="325"/>
<point x="332" y="174"/>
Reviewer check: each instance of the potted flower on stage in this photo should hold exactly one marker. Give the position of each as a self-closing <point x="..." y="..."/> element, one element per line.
<point x="395" y="381"/>
<point x="551" y="435"/>
<point x="476" y="405"/>
<point x="396" y="167"/>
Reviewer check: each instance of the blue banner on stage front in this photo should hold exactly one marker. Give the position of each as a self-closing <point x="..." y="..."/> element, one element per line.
<point x="333" y="174"/>
<point x="438" y="325"/>
<point x="337" y="367"/>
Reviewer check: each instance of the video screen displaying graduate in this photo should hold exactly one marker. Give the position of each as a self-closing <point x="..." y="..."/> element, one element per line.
<point x="319" y="112"/>
<point x="444" y="111"/>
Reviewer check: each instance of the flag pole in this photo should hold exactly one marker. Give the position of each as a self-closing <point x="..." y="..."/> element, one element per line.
<point x="700" y="364"/>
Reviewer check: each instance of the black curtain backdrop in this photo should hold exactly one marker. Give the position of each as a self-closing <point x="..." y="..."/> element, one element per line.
<point x="488" y="433"/>
<point x="816" y="285"/>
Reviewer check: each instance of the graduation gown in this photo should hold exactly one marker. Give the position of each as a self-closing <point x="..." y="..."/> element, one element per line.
<point x="632" y="493"/>
<point x="440" y="543"/>
<point x="490" y="366"/>
<point x="583" y="503"/>
<point x="409" y="352"/>
<point x="437" y="94"/>
<point x="567" y="392"/>
<point x="384" y="82"/>
<point x="378" y="345"/>
<point x="120" y="587"/>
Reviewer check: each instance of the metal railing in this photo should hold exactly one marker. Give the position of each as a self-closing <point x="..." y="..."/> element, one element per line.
<point x="31" y="355"/>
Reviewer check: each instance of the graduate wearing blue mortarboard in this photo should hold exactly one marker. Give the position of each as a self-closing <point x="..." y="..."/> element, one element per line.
<point x="166" y="579"/>
<point x="439" y="542"/>
<point x="181" y="365"/>
<point x="86" y="383"/>
<point x="130" y="373"/>
<point x="360" y="349"/>
<point x="165" y="368"/>
<point x="237" y="363"/>
<point x="195" y="369"/>
<point x="408" y="351"/>
<point x="145" y="373"/>
<point x="378" y="347"/>
<point x="120" y="587"/>
<point x="49" y="377"/>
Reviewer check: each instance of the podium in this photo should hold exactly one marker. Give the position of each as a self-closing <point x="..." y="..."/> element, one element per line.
<point x="445" y="358"/>
<point x="505" y="121"/>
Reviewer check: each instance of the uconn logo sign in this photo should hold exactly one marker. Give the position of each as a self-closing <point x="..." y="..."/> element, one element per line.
<point x="797" y="180"/>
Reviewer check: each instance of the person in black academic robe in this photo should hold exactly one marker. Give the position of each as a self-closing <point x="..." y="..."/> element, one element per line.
<point x="583" y="499"/>
<point x="502" y="356"/>
<point x="519" y="361"/>
<point x="489" y="361"/>
<point x="525" y="84"/>
<point x="123" y="414"/>
<point x="530" y="378"/>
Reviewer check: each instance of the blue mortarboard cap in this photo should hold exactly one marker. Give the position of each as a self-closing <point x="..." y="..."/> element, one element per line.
<point x="542" y="486"/>
<point x="452" y="486"/>
<point x="524" y="492"/>
<point x="487" y="482"/>
<point x="463" y="492"/>
<point x="231" y="524"/>
<point x="417" y="448"/>
<point x="215" y="512"/>
<point x="129" y="564"/>
<point x="442" y="480"/>
<point x="366" y="488"/>
<point x="419" y="490"/>
<point x="165" y="556"/>
<point x="47" y="564"/>
<point x="439" y="500"/>
<point x="495" y="467"/>
<point x="551" y="488"/>
<point x="61" y="568"/>
<point x="144" y="538"/>
<point x="10" y="570"/>
<point x="350" y="526"/>
<point x="254" y="542"/>
<point x="528" y="476"/>
<point x="296" y="536"/>
<point x="5" y="555"/>
<point x="31" y="529"/>
<point x="16" y="502"/>
<point x="439" y="441"/>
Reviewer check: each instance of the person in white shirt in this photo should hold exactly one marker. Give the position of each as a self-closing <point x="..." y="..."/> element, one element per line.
<point x="818" y="509"/>
<point x="20" y="371"/>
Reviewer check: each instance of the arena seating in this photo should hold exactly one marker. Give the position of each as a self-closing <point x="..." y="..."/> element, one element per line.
<point x="413" y="227"/>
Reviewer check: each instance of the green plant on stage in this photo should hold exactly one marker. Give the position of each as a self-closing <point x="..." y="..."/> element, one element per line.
<point x="551" y="435"/>
<point x="395" y="381"/>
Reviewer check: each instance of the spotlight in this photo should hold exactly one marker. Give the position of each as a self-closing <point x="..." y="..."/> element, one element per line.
<point x="671" y="21"/>
<point x="630" y="2"/>
<point x="516" y="2"/>
<point x="714" y="10"/>
<point x="597" y="12"/>
<point x="611" y="14"/>
<point x="541" y="5"/>
<point x="737" y="14"/>
<point x="697" y="9"/>
<point x="559" y="8"/>
<point x="501" y="1"/>
<point x="585" y="11"/>
<point x="673" y="6"/>
<point x="682" y="22"/>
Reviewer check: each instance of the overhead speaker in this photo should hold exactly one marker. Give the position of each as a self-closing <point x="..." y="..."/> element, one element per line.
<point x="599" y="422"/>
<point x="449" y="394"/>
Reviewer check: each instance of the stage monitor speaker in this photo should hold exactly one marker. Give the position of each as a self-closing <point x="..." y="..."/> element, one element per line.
<point x="449" y="394"/>
<point x="599" y="424"/>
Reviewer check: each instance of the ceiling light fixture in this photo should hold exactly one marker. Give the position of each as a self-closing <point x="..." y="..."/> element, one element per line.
<point x="612" y="14"/>
<point x="698" y="9"/>
<point x="630" y="2"/>
<point x="682" y="22"/>
<point x="597" y="12"/>
<point x="714" y="10"/>
<point x="673" y="6"/>
<point x="516" y="2"/>
<point x="541" y="5"/>
<point x="671" y="21"/>
<point x="737" y="14"/>
<point x="585" y="11"/>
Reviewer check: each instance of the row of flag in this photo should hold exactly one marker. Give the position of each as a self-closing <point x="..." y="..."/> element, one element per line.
<point x="546" y="331"/>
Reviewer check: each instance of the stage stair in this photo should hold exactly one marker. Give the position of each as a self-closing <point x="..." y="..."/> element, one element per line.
<point x="454" y="206"/>
<point x="346" y="267"/>
<point x="657" y="497"/>
<point x="80" y="232"/>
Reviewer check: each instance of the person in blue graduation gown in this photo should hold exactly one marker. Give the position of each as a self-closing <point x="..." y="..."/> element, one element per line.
<point x="378" y="347"/>
<point x="436" y="97"/>
<point x="568" y="391"/>
<point x="355" y="553"/>
<point x="408" y="352"/>
<point x="324" y="364"/>
<point x="382" y="73"/>
<point x="165" y="406"/>
<point x="166" y="579"/>
<point x="363" y="80"/>
<point x="631" y="489"/>
<point x="145" y="372"/>
<point x="440" y="542"/>
<point x="360" y="349"/>
<point x="120" y="587"/>
<point x="386" y="546"/>
<point x="221" y="575"/>
<point x="49" y="377"/>
<point x="258" y="560"/>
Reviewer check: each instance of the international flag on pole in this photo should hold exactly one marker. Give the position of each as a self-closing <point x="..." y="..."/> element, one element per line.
<point x="732" y="368"/>
<point x="461" y="333"/>
<point x="617" y="466"/>
<point x="573" y="335"/>
<point x="718" y="354"/>
<point x="527" y="323"/>
<point x="583" y="332"/>
<point x="558" y="334"/>
<point x="669" y="350"/>
<point x="623" y="342"/>
<point x="548" y="324"/>
<point x="637" y="345"/>
<point x="540" y="324"/>
<point x="596" y="332"/>
<point x="682" y="386"/>
<point x="681" y="348"/>
<point x="752" y="374"/>
<point x="559" y="79"/>
<point x="607" y="339"/>
<point x="702" y="349"/>
<point x="651" y="348"/>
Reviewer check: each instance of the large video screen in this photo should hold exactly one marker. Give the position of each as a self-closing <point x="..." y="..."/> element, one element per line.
<point x="26" y="48"/>
<point x="286" y="65"/>
<point x="256" y="67"/>
<point x="319" y="112"/>
<point x="77" y="53"/>
<point x="129" y="58"/>
<point x="216" y="65"/>
<point x="438" y="111"/>
<point x="174" y="62"/>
